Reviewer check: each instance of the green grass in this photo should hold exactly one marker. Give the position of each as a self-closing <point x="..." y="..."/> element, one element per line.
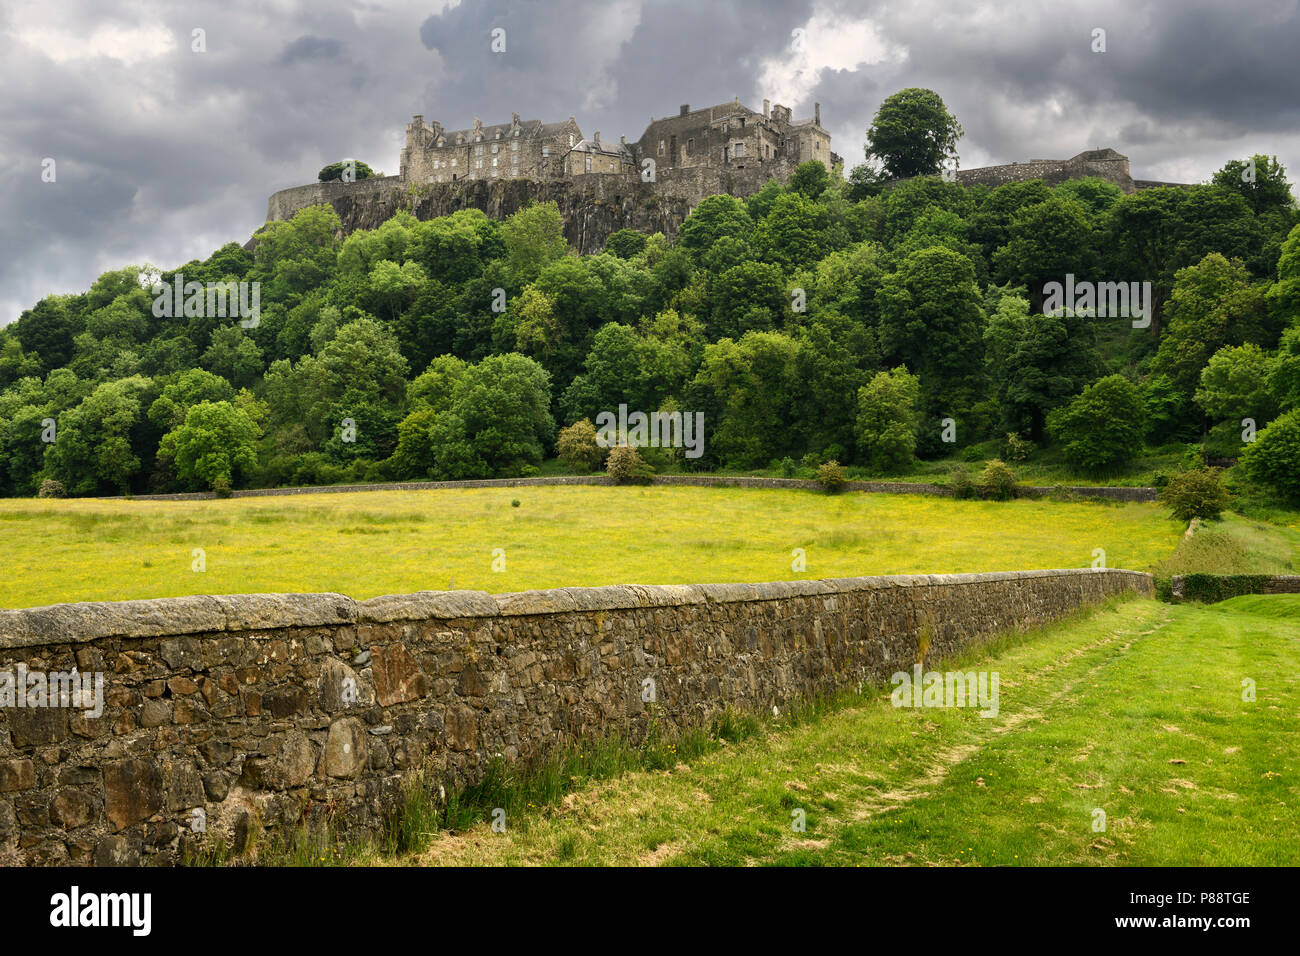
<point x="1235" y="545"/>
<point x="383" y="542"/>
<point x="1136" y="709"/>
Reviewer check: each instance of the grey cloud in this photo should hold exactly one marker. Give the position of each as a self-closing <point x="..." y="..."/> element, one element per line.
<point x="164" y="159"/>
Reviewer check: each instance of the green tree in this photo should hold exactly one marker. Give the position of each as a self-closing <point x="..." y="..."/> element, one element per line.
<point x="714" y="218"/>
<point x="216" y="444"/>
<point x="533" y="237"/>
<point x="499" y="421"/>
<point x="93" y="451"/>
<point x="1214" y="303"/>
<point x="1235" y="384"/>
<point x="810" y="179"/>
<point x="1102" y="428"/>
<point x="746" y="391"/>
<point x="1045" y="241"/>
<point x="1261" y="181"/>
<point x="888" y="420"/>
<point x="750" y="296"/>
<point x="185" y="390"/>
<point x="1273" y="459"/>
<point x="1036" y="362"/>
<point x="913" y="133"/>
<point x="931" y="321"/>
<point x="625" y="243"/>
<point x="335" y="171"/>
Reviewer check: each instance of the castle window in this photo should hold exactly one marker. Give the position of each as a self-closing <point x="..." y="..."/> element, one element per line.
<point x="514" y="147"/>
<point x="494" y="163"/>
<point x="478" y="150"/>
<point x="740" y="151"/>
<point x="587" y="165"/>
<point x="570" y="139"/>
<point x="546" y="151"/>
<point x="690" y="144"/>
<point x="494" y="147"/>
<point x="661" y="147"/>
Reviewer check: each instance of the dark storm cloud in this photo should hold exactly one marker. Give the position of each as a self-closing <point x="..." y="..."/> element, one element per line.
<point x="163" y="153"/>
<point x="311" y="48"/>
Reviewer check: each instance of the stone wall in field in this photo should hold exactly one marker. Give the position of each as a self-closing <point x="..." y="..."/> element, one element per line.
<point x="237" y="713"/>
<point x="1108" y="492"/>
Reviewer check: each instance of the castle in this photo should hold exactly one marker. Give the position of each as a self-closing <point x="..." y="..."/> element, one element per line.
<point x="703" y="147"/>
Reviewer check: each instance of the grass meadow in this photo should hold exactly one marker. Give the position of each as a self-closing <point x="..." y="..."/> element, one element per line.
<point x="383" y="542"/>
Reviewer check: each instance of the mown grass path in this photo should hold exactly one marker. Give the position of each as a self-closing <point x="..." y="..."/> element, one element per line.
<point x="368" y="543"/>
<point x="1136" y="710"/>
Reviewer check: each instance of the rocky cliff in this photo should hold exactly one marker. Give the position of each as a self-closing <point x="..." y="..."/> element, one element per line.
<point x="593" y="207"/>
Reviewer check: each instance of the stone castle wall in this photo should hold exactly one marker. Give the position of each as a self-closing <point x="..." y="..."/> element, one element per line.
<point x="1105" y="164"/>
<point x="271" y="710"/>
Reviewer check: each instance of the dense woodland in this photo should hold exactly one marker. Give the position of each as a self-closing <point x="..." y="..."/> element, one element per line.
<point x="829" y="319"/>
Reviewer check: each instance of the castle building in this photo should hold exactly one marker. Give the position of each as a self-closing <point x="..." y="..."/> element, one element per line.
<point x="723" y="139"/>
<point x="519" y="149"/>
<point x="734" y="137"/>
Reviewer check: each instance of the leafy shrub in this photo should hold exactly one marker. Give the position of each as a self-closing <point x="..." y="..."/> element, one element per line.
<point x="831" y="477"/>
<point x="810" y="461"/>
<point x="1015" y="448"/>
<point x="577" y="446"/>
<point x="788" y="467"/>
<point x="514" y="502"/>
<point x="1196" y="493"/>
<point x="51" y="488"/>
<point x="221" y="485"/>
<point x="961" y="483"/>
<point x="626" y="467"/>
<point x="997" y="481"/>
<point x="1274" y="457"/>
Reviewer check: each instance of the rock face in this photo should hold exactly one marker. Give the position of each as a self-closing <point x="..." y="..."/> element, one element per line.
<point x="226" y="715"/>
<point x="592" y="206"/>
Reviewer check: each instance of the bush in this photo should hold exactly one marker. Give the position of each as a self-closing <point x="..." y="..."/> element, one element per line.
<point x="577" y="446"/>
<point x="961" y="483"/>
<point x="831" y="477"/>
<point x="1015" y="448"/>
<point x="788" y="467"/>
<point x="50" y="488"/>
<point x="221" y="485"/>
<point x="997" y="481"/>
<point x="1196" y="493"/>
<point x="810" y="461"/>
<point x="627" y="467"/>
<point x="1273" y="459"/>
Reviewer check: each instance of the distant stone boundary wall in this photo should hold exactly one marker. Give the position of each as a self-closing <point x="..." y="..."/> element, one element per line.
<point x="1116" y="493"/>
<point x="1212" y="588"/>
<point x="270" y="710"/>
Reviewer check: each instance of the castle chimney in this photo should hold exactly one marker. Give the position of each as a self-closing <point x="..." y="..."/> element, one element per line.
<point x="597" y="137"/>
<point x="817" y="114"/>
<point x="686" y="108"/>
<point x="622" y="140"/>
<point x="767" y="105"/>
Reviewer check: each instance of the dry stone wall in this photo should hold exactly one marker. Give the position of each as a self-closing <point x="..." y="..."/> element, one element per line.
<point x="272" y="710"/>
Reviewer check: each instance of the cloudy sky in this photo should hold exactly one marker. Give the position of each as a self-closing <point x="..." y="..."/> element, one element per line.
<point x="163" y="152"/>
